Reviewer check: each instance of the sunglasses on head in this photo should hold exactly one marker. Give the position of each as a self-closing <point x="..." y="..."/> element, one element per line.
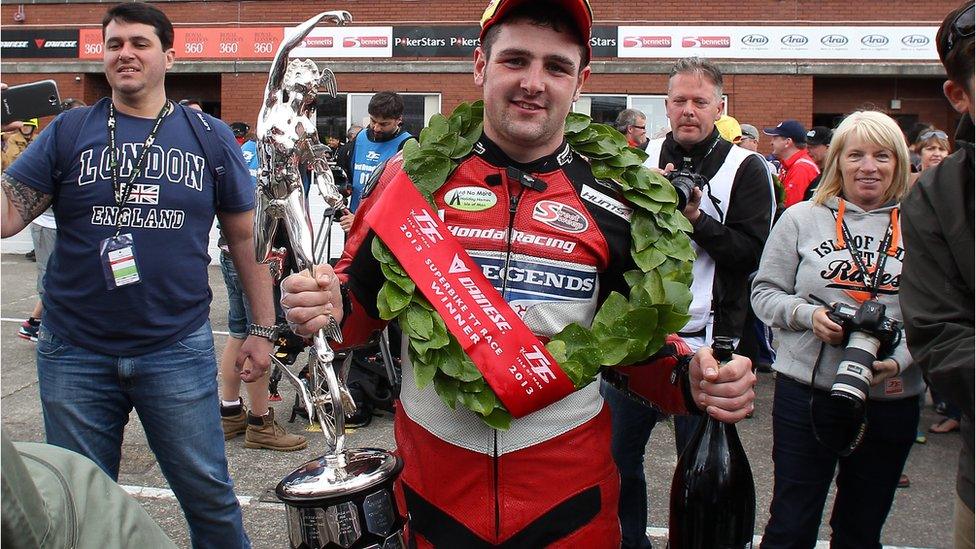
<point x="960" y="29"/>
<point x="938" y="134"/>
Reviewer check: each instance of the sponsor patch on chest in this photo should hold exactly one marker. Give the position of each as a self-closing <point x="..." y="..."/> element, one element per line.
<point x="538" y="280"/>
<point x="470" y="199"/>
<point x="608" y="203"/>
<point x="560" y="216"/>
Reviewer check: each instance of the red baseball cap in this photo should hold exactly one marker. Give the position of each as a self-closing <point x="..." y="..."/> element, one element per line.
<point x="579" y="11"/>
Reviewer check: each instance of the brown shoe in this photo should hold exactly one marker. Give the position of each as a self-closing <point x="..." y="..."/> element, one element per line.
<point x="264" y="432"/>
<point x="235" y="424"/>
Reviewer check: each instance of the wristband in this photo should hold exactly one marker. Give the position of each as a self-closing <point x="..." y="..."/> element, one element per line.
<point x="268" y="332"/>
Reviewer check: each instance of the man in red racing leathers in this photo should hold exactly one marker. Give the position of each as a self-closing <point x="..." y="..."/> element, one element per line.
<point x="554" y="241"/>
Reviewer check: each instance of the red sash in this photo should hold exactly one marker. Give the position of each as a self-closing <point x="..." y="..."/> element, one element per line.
<point x="511" y="358"/>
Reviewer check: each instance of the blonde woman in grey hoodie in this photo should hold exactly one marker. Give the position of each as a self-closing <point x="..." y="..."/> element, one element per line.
<point x="823" y="247"/>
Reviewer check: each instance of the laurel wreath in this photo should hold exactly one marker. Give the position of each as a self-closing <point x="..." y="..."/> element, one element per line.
<point x="624" y="330"/>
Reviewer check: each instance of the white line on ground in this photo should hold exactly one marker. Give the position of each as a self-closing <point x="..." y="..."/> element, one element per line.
<point x="19" y="320"/>
<point x="147" y="492"/>
<point x="662" y="534"/>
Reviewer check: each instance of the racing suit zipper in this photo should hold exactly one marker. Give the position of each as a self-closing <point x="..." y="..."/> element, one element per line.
<point x="494" y="465"/>
<point x="513" y="203"/>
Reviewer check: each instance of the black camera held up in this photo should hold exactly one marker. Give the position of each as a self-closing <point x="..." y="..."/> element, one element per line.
<point x="868" y="334"/>
<point x="684" y="182"/>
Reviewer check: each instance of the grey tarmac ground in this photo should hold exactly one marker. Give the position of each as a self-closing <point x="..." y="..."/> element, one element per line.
<point x="921" y="515"/>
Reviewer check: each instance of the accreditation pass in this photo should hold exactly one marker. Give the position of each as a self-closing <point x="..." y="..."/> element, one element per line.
<point x="119" y="261"/>
<point x="124" y="266"/>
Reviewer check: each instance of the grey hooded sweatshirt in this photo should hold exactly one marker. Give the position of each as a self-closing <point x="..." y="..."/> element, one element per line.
<point x="801" y="257"/>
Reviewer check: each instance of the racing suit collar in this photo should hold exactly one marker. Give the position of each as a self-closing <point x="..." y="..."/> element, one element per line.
<point x="493" y="154"/>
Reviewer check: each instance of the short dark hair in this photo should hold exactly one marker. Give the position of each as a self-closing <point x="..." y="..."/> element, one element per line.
<point x="701" y="67"/>
<point x="955" y="52"/>
<point x="386" y="104"/>
<point x="542" y="14"/>
<point x="145" y="13"/>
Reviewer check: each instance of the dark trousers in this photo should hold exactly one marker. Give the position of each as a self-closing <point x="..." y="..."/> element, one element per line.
<point x="803" y="470"/>
<point x="631" y="425"/>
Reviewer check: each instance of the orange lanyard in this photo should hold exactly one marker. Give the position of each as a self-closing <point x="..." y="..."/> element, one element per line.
<point x="889" y="245"/>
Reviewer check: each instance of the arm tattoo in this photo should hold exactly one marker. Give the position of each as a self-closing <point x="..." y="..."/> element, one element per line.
<point x="28" y="201"/>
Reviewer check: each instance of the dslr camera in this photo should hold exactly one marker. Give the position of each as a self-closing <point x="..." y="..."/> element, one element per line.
<point x="868" y="334"/>
<point x="684" y="181"/>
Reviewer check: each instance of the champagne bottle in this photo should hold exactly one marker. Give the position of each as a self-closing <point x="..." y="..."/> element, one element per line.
<point x="713" y="498"/>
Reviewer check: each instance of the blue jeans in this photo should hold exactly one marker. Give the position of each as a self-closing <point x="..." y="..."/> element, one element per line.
<point x="86" y="399"/>
<point x="803" y="470"/>
<point x="238" y="311"/>
<point x="631" y="424"/>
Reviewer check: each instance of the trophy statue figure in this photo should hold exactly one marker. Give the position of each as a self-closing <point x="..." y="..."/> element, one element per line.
<point x="345" y="497"/>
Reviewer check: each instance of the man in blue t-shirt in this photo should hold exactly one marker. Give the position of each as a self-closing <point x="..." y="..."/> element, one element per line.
<point x="383" y="138"/>
<point x="135" y="185"/>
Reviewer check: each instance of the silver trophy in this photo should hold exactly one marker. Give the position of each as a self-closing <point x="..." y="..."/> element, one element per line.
<point x="344" y="498"/>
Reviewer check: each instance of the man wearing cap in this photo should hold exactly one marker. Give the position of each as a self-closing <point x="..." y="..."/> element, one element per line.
<point x="729" y="128"/>
<point x="549" y="479"/>
<point x="818" y="143"/>
<point x="798" y="169"/>
<point x="750" y="138"/>
<point x="16" y="141"/>
<point x="249" y="148"/>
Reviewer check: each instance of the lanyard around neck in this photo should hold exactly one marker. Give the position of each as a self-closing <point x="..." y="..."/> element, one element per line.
<point x="122" y="191"/>
<point x="889" y="246"/>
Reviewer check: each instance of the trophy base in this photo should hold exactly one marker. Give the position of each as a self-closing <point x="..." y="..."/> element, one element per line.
<point x="344" y="501"/>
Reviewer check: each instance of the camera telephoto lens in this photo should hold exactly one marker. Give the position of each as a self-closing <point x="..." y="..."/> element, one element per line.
<point x="854" y="371"/>
<point x="683" y="185"/>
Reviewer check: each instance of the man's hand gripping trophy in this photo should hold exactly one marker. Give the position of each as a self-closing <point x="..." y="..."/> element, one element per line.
<point x="288" y="140"/>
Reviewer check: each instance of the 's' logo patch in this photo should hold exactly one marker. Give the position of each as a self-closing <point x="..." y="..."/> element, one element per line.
<point x="560" y="216"/>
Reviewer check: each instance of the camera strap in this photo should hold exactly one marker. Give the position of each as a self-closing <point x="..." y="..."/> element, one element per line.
<point x="839" y="433"/>
<point x="697" y="169"/>
<point x="889" y="247"/>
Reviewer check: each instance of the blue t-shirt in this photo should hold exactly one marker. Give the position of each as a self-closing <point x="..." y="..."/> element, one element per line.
<point x="367" y="155"/>
<point x="169" y="214"/>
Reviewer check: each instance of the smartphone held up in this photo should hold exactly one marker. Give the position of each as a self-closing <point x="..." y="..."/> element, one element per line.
<point x="26" y="101"/>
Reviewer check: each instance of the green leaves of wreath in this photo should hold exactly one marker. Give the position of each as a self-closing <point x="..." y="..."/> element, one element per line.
<point x="625" y="330"/>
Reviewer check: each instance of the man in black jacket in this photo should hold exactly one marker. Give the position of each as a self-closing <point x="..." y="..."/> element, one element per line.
<point x="731" y="217"/>
<point x="937" y="286"/>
